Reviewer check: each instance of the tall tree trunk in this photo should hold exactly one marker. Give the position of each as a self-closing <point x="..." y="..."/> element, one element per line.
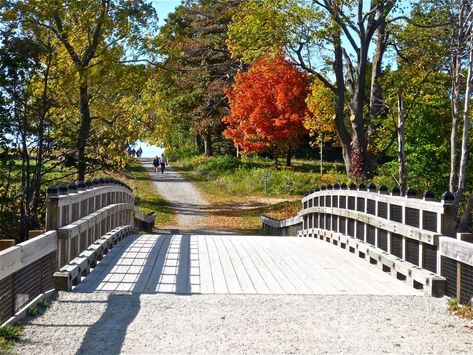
<point x="41" y="135"/>
<point x="456" y="68"/>
<point x="466" y="127"/>
<point x="376" y="95"/>
<point x="342" y="131"/>
<point x="321" y="147"/>
<point x="289" y="157"/>
<point x="84" y="132"/>
<point x="377" y="106"/>
<point x="208" y="152"/>
<point x="199" y="145"/>
<point x="276" y="162"/>
<point x="453" y="182"/>
<point x="25" y="174"/>
<point x="400" y="137"/>
<point x="360" y="166"/>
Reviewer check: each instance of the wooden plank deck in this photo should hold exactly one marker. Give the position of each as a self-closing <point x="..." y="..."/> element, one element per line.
<point x="229" y="264"/>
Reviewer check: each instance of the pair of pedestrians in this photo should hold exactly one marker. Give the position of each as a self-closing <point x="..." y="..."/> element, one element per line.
<point x="159" y="162"/>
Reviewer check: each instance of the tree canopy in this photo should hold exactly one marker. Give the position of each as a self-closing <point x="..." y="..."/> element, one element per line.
<point x="387" y="82"/>
<point x="267" y="106"/>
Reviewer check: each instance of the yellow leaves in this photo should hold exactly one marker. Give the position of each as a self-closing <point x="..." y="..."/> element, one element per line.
<point x="257" y="28"/>
<point x="321" y="104"/>
<point x="9" y="15"/>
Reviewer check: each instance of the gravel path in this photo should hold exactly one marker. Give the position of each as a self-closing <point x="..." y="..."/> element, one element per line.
<point x="110" y="323"/>
<point x="190" y="206"/>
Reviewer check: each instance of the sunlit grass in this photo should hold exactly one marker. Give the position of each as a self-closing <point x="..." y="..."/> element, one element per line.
<point x="222" y="176"/>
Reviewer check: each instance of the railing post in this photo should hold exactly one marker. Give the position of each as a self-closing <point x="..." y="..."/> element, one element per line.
<point x="52" y="209"/>
<point x="448" y="218"/>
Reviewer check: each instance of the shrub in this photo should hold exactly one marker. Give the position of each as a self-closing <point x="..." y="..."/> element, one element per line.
<point x="11" y="333"/>
<point x="44" y="303"/>
<point x="32" y="311"/>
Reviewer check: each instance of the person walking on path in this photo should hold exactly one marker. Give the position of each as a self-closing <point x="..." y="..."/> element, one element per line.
<point x="156" y="164"/>
<point x="163" y="161"/>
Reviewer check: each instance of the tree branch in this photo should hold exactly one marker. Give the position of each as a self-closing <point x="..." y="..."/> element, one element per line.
<point x="97" y="33"/>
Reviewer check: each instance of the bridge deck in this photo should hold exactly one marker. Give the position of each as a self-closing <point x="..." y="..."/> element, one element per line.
<point x="192" y="264"/>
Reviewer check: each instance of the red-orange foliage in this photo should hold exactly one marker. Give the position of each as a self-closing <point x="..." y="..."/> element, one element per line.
<point x="267" y="106"/>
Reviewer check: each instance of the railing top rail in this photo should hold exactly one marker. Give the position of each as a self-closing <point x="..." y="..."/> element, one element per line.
<point x="75" y="192"/>
<point x="16" y="257"/>
<point x="427" y="203"/>
<point x="68" y="203"/>
<point x="423" y="235"/>
<point x="64" y="200"/>
<point x="281" y="223"/>
<point x="75" y="228"/>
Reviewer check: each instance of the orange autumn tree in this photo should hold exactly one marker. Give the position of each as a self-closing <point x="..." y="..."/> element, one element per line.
<point x="267" y="107"/>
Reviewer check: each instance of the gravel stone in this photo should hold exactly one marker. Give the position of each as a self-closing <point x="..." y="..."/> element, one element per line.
<point x="110" y="323"/>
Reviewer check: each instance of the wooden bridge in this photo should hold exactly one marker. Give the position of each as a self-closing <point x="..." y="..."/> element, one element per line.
<point x="358" y="240"/>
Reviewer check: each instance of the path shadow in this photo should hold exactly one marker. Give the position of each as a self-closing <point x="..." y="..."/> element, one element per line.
<point x="93" y="280"/>
<point x="107" y="334"/>
<point x="217" y="209"/>
<point x="183" y="281"/>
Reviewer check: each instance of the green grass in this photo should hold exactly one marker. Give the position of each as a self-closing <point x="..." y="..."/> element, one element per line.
<point x="226" y="175"/>
<point x="44" y="303"/>
<point x="463" y="311"/>
<point x="11" y="333"/>
<point x="55" y="172"/>
<point x="8" y="336"/>
<point x="32" y="311"/>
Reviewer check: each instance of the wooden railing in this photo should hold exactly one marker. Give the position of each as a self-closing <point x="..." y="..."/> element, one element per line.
<point x="83" y="222"/>
<point x="406" y="227"/>
<point x="412" y="238"/>
<point x="82" y="213"/>
<point x="285" y="227"/>
<point x="456" y="260"/>
<point x="26" y="275"/>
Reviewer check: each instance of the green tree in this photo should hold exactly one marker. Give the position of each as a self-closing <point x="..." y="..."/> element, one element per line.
<point x="26" y="103"/>
<point x="312" y="33"/>
<point x="196" y="67"/>
<point x="89" y="32"/>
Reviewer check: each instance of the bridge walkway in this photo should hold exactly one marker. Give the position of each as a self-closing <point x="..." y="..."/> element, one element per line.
<point x="230" y="264"/>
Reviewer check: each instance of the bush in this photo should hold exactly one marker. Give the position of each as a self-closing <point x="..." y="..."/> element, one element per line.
<point x="223" y="163"/>
<point x="32" y="312"/>
<point x="11" y="333"/>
